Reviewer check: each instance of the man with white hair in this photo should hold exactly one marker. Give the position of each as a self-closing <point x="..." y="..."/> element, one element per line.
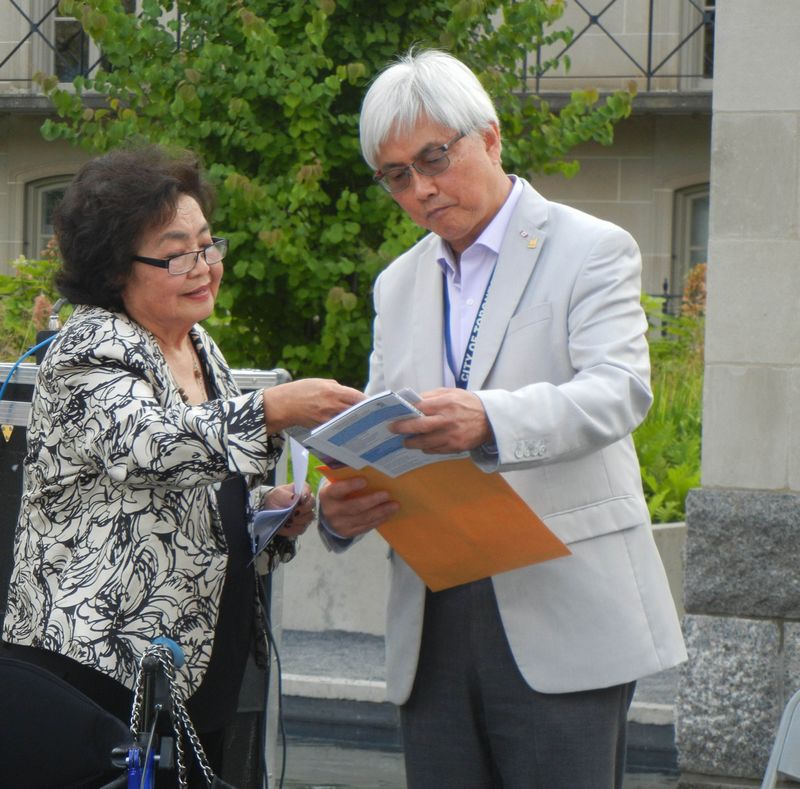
<point x="520" y="322"/>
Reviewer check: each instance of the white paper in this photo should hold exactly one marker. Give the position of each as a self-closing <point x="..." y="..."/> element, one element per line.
<point x="267" y="522"/>
<point x="360" y="436"/>
<point x="299" y="455"/>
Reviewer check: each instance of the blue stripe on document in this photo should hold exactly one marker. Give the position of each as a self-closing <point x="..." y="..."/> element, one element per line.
<point x="382" y="450"/>
<point x="388" y="414"/>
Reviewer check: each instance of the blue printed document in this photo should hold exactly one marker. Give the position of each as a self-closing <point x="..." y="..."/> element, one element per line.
<point x="360" y="436"/>
<point x="267" y="522"/>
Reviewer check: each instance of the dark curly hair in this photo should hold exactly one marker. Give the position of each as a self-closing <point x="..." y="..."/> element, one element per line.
<point x="112" y="201"/>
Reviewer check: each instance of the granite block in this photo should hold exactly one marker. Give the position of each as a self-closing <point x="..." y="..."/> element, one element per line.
<point x="741" y="553"/>
<point x="791" y="659"/>
<point x="728" y="701"/>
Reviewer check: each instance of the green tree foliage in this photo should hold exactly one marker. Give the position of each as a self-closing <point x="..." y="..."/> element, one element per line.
<point x="268" y="94"/>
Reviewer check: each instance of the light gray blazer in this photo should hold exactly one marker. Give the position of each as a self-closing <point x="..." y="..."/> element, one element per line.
<point x="562" y="368"/>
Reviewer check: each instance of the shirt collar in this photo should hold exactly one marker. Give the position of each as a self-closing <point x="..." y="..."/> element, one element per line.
<point x="491" y="239"/>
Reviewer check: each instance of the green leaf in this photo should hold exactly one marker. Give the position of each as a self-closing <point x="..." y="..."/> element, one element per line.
<point x="268" y="94"/>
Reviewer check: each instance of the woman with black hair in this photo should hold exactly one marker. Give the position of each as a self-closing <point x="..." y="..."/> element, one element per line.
<point x="143" y="456"/>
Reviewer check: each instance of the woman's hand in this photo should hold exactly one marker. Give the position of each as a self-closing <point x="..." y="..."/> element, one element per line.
<point x="307" y="402"/>
<point x="304" y="514"/>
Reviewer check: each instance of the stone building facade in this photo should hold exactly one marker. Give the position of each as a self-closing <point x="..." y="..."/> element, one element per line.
<point x="742" y="585"/>
<point x="653" y="181"/>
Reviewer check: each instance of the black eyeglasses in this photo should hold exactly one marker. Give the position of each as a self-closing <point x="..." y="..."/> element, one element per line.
<point x="182" y="264"/>
<point x="432" y="162"/>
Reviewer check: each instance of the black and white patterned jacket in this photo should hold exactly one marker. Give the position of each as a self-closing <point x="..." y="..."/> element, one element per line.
<point x="119" y="539"/>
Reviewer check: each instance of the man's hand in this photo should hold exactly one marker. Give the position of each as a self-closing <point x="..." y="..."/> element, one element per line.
<point x="350" y="515"/>
<point x="454" y="421"/>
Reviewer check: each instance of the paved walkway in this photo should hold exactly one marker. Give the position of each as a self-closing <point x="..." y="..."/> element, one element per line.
<point x="335" y="664"/>
<point x="319" y="766"/>
<point x="335" y="694"/>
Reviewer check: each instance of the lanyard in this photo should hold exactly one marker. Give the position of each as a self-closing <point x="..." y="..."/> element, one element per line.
<point x="462" y="378"/>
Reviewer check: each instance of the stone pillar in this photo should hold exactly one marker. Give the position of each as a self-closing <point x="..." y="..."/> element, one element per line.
<point x="742" y="584"/>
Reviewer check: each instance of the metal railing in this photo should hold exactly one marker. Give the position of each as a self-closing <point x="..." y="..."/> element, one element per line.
<point x="14" y="411"/>
<point x="672" y="302"/>
<point x="643" y="63"/>
<point x="39" y="32"/>
<point x="65" y="49"/>
<point x="671" y="307"/>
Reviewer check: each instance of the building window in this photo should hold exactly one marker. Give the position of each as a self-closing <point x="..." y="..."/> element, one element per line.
<point x="709" y="12"/>
<point x="697" y="54"/>
<point x="71" y="49"/>
<point x="41" y="200"/>
<point x="74" y="53"/>
<point x="690" y="245"/>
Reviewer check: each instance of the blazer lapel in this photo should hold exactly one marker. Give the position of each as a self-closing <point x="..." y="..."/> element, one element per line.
<point x="518" y="256"/>
<point x="427" y="327"/>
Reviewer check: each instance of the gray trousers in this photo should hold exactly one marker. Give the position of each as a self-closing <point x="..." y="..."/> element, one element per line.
<point x="472" y="722"/>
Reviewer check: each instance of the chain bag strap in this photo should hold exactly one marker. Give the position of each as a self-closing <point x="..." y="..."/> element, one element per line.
<point x="181" y="722"/>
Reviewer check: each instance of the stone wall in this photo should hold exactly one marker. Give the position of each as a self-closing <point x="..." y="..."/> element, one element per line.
<point x="633" y="182"/>
<point x="742" y="588"/>
<point x="25" y="157"/>
<point x="326" y="591"/>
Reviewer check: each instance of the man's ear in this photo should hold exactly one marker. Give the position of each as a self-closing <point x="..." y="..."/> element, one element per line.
<point x="493" y="142"/>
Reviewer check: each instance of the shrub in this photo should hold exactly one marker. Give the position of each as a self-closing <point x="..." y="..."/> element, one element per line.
<point x="27" y="296"/>
<point x="668" y="441"/>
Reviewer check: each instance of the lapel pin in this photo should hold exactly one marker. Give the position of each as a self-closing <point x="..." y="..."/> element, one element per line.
<point x="532" y="243"/>
<point x="523" y="233"/>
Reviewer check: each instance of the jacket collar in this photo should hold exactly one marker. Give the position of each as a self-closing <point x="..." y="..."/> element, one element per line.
<point x="519" y="253"/>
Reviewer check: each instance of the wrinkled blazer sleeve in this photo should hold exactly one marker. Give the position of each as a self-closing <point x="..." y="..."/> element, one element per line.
<point x="602" y="393"/>
<point x="120" y="415"/>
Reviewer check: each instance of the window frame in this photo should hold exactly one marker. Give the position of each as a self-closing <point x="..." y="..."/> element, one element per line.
<point x="684" y="202"/>
<point x="44" y="55"/>
<point x="36" y="236"/>
<point x="693" y="53"/>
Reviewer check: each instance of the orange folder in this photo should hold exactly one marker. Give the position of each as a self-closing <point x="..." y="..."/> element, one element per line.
<point x="457" y="523"/>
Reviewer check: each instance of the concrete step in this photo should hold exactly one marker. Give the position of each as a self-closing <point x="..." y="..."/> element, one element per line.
<point x="334" y="690"/>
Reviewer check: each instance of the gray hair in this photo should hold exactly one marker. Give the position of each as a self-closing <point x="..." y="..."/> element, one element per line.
<point x="428" y="83"/>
